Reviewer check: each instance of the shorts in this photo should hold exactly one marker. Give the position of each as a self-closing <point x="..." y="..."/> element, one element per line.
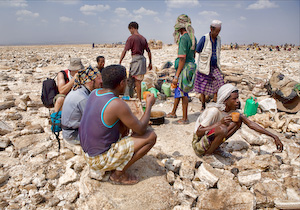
<point x="116" y="158"/>
<point x="201" y="145"/>
<point x="179" y="94"/>
<point x="57" y="96"/>
<point x="138" y="77"/>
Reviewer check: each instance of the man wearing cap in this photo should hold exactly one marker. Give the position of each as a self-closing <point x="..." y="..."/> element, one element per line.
<point x="137" y="44"/>
<point x="85" y="81"/>
<point x="209" y="77"/>
<point x="65" y="82"/>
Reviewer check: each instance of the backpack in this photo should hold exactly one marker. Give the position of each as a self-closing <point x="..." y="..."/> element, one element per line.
<point x="50" y="90"/>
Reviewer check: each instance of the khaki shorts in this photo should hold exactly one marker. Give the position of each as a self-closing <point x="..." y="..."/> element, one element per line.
<point x="57" y="96"/>
<point x="116" y="158"/>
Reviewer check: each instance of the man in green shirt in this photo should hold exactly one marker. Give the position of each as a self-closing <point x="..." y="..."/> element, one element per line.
<point x="185" y="66"/>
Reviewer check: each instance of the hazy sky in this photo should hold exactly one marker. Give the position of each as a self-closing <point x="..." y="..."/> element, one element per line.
<point x="78" y="21"/>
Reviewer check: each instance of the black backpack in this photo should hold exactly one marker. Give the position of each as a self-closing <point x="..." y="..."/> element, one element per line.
<point x="50" y="90"/>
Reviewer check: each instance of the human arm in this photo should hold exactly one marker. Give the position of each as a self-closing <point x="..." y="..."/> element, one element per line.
<point x="150" y="59"/>
<point x="122" y="56"/>
<point x="200" y="45"/>
<point x="179" y="69"/>
<point x="202" y="130"/>
<point x="261" y="130"/>
<point x="118" y="109"/>
<point x="63" y="87"/>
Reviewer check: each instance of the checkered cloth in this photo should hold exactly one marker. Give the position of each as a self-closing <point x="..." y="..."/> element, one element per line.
<point x="209" y="84"/>
<point x="116" y="158"/>
<point x="85" y="76"/>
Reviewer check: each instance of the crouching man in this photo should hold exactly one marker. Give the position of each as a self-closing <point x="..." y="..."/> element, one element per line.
<point x="104" y="128"/>
<point x="217" y="123"/>
<point x="74" y="104"/>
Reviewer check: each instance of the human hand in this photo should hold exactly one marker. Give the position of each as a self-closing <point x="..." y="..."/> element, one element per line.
<point x="278" y="143"/>
<point x="150" y="66"/>
<point x="226" y="120"/>
<point x="175" y="81"/>
<point x="150" y="99"/>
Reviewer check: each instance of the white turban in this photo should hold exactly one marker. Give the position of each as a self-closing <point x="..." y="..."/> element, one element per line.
<point x="216" y="23"/>
<point x="223" y="93"/>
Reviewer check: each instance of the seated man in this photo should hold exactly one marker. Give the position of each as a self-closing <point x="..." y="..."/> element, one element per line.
<point x="65" y="82"/>
<point x="86" y="81"/>
<point x="215" y="124"/>
<point x="104" y="126"/>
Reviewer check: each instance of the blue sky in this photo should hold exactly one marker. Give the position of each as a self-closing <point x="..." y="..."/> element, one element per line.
<point x="82" y="22"/>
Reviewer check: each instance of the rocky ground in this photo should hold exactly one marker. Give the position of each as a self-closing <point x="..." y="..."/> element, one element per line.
<point x="33" y="175"/>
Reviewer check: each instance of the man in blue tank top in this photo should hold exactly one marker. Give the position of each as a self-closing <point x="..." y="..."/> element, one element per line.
<point x="105" y="125"/>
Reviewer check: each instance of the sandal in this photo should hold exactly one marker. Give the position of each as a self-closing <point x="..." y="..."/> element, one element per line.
<point x="125" y="179"/>
<point x="170" y="115"/>
<point x="181" y="122"/>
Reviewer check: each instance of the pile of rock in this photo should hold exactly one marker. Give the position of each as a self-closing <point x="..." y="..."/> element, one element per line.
<point x="33" y="175"/>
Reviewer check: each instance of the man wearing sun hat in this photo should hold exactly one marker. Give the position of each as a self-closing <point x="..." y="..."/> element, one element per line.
<point x="65" y="82"/>
<point x="74" y="104"/>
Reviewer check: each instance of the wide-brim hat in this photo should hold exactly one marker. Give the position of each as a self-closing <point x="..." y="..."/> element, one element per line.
<point x="292" y="106"/>
<point x="75" y="64"/>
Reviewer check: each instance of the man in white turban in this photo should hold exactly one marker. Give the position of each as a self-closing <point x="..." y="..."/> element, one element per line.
<point x="209" y="77"/>
<point x="216" y="124"/>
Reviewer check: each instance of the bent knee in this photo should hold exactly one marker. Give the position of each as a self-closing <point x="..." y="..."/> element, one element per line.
<point x="152" y="137"/>
<point x="60" y="100"/>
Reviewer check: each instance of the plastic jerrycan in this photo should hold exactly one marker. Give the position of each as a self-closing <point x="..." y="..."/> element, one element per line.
<point x="166" y="89"/>
<point x="143" y="88"/>
<point x="154" y="91"/>
<point x="250" y="107"/>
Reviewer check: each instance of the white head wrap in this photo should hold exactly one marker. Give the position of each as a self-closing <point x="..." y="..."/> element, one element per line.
<point x="223" y="93"/>
<point x="216" y="23"/>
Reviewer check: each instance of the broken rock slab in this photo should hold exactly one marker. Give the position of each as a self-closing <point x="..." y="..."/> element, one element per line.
<point x="4" y="128"/>
<point x="219" y="200"/>
<point x="207" y="174"/>
<point x="249" y="177"/>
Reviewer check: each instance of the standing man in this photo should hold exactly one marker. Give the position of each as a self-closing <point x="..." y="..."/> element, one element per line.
<point x="86" y="81"/>
<point x="209" y="77"/>
<point x="185" y="66"/>
<point x="137" y="44"/>
<point x="65" y="82"/>
<point x="105" y="126"/>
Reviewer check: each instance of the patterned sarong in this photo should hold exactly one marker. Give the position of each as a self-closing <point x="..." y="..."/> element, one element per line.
<point x="116" y="158"/>
<point x="209" y="84"/>
<point x="201" y="145"/>
<point x="187" y="78"/>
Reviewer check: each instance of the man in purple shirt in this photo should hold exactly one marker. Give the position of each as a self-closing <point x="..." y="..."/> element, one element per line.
<point x="137" y="44"/>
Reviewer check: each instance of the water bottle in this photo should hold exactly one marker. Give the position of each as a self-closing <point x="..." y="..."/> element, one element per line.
<point x="250" y="107"/>
<point x="154" y="91"/>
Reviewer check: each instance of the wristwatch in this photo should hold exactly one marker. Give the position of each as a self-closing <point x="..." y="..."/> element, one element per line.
<point x="175" y="77"/>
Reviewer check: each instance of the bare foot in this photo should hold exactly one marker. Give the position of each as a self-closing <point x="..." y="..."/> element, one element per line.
<point x="124" y="179"/>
